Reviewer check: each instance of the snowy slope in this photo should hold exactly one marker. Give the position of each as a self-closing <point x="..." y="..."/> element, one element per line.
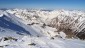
<point x="72" y="19"/>
<point x="26" y="18"/>
<point x="14" y="23"/>
<point x="42" y="42"/>
<point x="25" y="28"/>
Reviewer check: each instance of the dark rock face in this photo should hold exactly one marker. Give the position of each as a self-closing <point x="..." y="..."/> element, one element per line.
<point x="32" y="44"/>
<point x="81" y="34"/>
<point x="9" y="38"/>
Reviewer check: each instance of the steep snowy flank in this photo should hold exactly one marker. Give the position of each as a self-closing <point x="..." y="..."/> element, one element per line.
<point x="12" y="22"/>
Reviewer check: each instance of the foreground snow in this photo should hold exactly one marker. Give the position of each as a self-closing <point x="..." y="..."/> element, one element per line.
<point x="42" y="42"/>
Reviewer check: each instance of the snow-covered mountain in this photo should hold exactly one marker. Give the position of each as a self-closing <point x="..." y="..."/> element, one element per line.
<point x="60" y="19"/>
<point x="35" y="28"/>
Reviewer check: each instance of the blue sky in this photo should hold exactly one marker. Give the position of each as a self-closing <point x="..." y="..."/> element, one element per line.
<point x="48" y="4"/>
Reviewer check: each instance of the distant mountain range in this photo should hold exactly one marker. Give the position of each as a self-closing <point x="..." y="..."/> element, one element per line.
<point x="25" y="21"/>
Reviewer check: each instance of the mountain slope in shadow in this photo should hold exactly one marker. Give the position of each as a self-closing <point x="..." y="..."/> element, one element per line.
<point x="6" y="22"/>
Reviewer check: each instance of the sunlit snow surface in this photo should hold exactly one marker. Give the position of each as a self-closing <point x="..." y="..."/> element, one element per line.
<point x="17" y="23"/>
<point x="42" y="42"/>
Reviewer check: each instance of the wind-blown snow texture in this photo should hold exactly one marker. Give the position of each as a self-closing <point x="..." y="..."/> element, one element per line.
<point x="25" y="28"/>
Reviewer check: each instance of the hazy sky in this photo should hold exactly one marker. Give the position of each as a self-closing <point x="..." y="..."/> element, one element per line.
<point x="49" y="4"/>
